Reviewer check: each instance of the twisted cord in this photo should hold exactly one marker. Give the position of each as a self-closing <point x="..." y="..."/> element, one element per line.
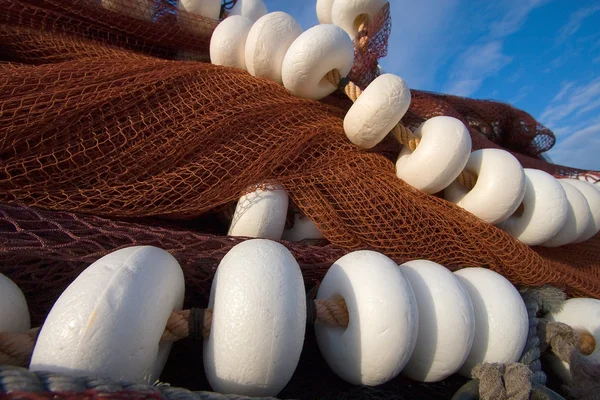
<point x="16" y="379"/>
<point x="403" y="134"/>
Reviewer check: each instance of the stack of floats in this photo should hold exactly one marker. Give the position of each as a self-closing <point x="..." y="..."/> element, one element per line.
<point x="529" y="204"/>
<point x="418" y="319"/>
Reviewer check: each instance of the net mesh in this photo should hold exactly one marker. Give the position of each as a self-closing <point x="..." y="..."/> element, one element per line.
<point x="107" y="141"/>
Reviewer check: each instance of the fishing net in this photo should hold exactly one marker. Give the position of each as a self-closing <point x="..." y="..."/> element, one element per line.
<point x="108" y="140"/>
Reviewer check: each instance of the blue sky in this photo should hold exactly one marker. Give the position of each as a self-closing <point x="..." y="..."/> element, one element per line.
<point x="542" y="56"/>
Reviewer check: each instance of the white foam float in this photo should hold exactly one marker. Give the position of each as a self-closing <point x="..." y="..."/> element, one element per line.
<point x="442" y="154"/>
<point x="258" y="321"/>
<point x="501" y="320"/>
<point x="261" y="213"/>
<point x="499" y="189"/>
<point x="267" y="44"/>
<point x="544" y="209"/>
<point x="140" y="9"/>
<point x="14" y="313"/>
<point x="205" y="8"/>
<point x="446" y="321"/>
<point x="324" y="11"/>
<point x="228" y="42"/>
<point x="345" y="13"/>
<point x="109" y="321"/>
<point x="303" y="229"/>
<point x="311" y="56"/>
<point x="581" y="314"/>
<point x="377" y="110"/>
<point x="383" y="319"/>
<point x="593" y="198"/>
<point x="251" y="9"/>
<point x="579" y="217"/>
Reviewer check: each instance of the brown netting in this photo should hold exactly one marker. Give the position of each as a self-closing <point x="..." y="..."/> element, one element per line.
<point x="107" y="142"/>
<point x="95" y="122"/>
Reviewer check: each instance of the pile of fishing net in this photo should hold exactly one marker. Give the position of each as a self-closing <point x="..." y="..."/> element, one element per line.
<point x="107" y="141"/>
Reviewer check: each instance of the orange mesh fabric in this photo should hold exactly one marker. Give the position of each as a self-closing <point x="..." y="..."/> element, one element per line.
<point x="101" y="123"/>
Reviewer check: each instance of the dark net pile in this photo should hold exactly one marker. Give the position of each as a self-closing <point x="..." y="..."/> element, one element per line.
<point x="108" y="140"/>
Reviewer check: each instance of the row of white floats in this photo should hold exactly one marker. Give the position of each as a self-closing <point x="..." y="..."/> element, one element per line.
<point x="273" y="46"/>
<point x="553" y="213"/>
<point x="418" y="318"/>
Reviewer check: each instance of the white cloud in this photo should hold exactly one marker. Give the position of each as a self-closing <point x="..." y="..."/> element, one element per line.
<point x="423" y="37"/>
<point x="565" y="88"/>
<point x="580" y="150"/>
<point x="477" y="63"/>
<point x="523" y="92"/>
<point x="575" y="21"/>
<point x="572" y="116"/>
<point x="486" y="58"/>
<point x="572" y="101"/>
<point x="514" y="18"/>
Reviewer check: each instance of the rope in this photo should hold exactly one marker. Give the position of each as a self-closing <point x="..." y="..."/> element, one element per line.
<point x="515" y="381"/>
<point x="332" y="312"/>
<point x="403" y="134"/>
<point x="503" y="382"/>
<point x="363" y="33"/>
<point x="565" y="342"/>
<point x="15" y="379"/>
<point x="17" y="348"/>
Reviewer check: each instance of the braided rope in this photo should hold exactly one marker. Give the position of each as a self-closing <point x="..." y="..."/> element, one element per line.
<point x="16" y="379"/>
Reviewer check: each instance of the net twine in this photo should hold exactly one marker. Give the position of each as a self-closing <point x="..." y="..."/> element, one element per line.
<point x="16" y="348"/>
<point x="92" y="128"/>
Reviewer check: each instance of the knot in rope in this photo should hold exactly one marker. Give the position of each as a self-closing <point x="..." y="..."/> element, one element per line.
<point x="503" y="382"/>
<point x="566" y="343"/>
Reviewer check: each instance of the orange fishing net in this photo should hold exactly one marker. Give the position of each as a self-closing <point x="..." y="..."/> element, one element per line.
<point x="97" y="118"/>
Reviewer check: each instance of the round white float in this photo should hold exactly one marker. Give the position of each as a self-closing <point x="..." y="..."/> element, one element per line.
<point x="14" y="313"/>
<point x="324" y="11"/>
<point x="267" y="43"/>
<point x="377" y="110"/>
<point x="228" y="42"/>
<point x="206" y="8"/>
<point x="446" y="322"/>
<point x="251" y="9"/>
<point x="109" y="321"/>
<point x="383" y="319"/>
<point x="261" y="213"/>
<point x="258" y="321"/>
<point x="311" y="56"/>
<point x="440" y="157"/>
<point x="143" y="9"/>
<point x="303" y="228"/>
<point x="501" y="321"/>
<point x="581" y="314"/>
<point x="592" y="196"/>
<point x="579" y="217"/>
<point x="544" y="209"/>
<point x="345" y="12"/>
<point x="499" y="189"/>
